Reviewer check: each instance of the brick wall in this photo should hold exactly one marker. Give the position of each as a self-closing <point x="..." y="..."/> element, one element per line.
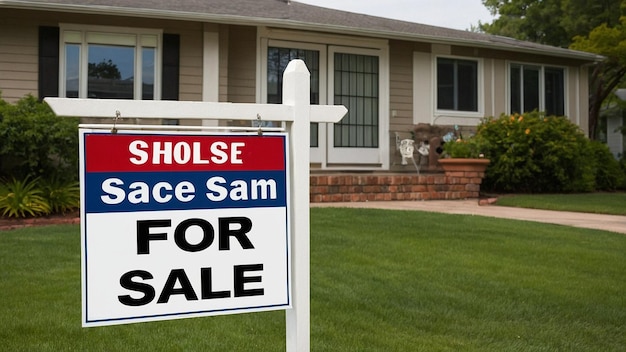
<point x="368" y="187"/>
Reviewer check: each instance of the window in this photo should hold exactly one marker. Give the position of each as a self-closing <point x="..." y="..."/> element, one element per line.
<point x="457" y="85"/>
<point x="277" y="61"/>
<point x="537" y="88"/>
<point x="109" y="63"/>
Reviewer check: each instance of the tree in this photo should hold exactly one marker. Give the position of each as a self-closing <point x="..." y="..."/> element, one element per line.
<point x="609" y="74"/>
<point x="104" y="69"/>
<point x="550" y="22"/>
<point x="592" y="26"/>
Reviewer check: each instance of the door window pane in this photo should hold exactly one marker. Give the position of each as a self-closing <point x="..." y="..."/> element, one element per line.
<point x="277" y="61"/>
<point x="356" y="86"/>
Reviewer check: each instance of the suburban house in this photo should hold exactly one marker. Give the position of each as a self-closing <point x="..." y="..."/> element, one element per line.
<point x="391" y="75"/>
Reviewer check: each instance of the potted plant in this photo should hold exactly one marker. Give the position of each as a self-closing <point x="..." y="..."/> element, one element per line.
<point x="463" y="154"/>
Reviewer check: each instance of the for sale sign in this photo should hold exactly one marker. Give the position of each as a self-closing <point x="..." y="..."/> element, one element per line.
<point x="179" y="225"/>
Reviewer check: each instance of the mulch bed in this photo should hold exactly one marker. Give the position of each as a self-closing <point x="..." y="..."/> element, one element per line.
<point x="12" y="223"/>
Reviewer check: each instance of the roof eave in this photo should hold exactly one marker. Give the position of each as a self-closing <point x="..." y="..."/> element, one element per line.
<point x="286" y="23"/>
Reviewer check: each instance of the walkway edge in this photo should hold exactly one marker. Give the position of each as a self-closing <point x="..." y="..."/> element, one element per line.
<point x="612" y="223"/>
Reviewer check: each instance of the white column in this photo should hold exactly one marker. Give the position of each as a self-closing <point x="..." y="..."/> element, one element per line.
<point x="210" y="71"/>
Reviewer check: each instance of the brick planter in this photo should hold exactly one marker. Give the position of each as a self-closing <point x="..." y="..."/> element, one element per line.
<point x="389" y="187"/>
<point x="454" y="165"/>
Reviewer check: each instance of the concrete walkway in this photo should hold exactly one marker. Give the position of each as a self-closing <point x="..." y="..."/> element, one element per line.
<point x="612" y="223"/>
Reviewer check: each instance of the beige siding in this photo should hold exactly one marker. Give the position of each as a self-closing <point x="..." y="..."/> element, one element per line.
<point x="423" y="83"/>
<point x="224" y="49"/>
<point x="191" y="53"/>
<point x="400" y="100"/>
<point x="242" y="65"/>
<point x="18" y="56"/>
<point x="488" y="86"/>
<point x="400" y="88"/>
<point x="499" y="103"/>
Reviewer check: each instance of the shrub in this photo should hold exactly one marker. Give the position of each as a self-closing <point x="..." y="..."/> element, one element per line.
<point x="35" y="142"/>
<point x="622" y="164"/>
<point x="62" y="195"/>
<point x="536" y="153"/>
<point x="609" y="174"/>
<point x="22" y="198"/>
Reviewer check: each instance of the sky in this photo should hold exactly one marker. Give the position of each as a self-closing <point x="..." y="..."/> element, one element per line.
<point x="457" y="14"/>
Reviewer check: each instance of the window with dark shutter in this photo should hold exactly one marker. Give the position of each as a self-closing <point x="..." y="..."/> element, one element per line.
<point x="48" y="62"/>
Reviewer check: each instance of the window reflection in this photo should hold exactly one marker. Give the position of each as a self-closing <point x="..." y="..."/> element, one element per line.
<point x="72" y="59"/>
<point x="147" y="73"/>
<point x="110" y="72"/>
<point x="277" y="61"/>
<point x="110" y="65"/>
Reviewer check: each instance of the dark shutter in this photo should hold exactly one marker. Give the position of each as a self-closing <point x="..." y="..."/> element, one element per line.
<point x="171" y="63"/>
<point x="48" y="62"/>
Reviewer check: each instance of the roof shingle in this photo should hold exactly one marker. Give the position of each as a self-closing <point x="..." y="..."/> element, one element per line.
<point x="293" y="14"/>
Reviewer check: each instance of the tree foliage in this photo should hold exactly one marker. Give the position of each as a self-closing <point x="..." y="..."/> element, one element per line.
<point x="104" y="69"/>
<point x="591" y="26"/>
<point x="609" y="74"/>
<point x="550" y="22"/>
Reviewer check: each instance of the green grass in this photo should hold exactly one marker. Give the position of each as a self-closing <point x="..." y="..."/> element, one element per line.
<point x="380" y="281"/>
<point x="601" y="203"/>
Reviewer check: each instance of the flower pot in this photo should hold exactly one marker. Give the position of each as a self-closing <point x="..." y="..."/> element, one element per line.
<point x="463" y="165"/>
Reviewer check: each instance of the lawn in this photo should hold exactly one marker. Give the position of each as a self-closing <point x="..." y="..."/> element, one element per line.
<point x="601" y="203"/>
<point x="381" y="280"/>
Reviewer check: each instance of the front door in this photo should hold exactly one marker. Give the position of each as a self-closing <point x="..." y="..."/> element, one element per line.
<point x="340" y="75"/>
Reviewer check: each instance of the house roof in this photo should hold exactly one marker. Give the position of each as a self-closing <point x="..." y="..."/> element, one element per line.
<point x="295" y="15"/>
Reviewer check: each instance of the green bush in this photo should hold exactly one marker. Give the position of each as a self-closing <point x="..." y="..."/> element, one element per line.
<point x="622" y="164"/>
<point x="536" y="153"/>
<point x="62" y="195"/>
<point x="609" y="174"/>
<point x="21" y="198"/>
<point x="34" y="142"/>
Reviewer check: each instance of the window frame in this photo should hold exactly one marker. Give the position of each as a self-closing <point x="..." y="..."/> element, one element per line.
<point x="82" y="35"/>
<point x="480" y="94"/>
<point x="327" y="156"/>
<point x="318" y="151"/>
<point x="542" y="85"/>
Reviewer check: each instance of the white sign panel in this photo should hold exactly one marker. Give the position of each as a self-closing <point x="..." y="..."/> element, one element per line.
<point x="178" y="225"/>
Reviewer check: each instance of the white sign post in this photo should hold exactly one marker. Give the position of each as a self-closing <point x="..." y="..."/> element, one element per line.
<point x="243" y="279"/>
